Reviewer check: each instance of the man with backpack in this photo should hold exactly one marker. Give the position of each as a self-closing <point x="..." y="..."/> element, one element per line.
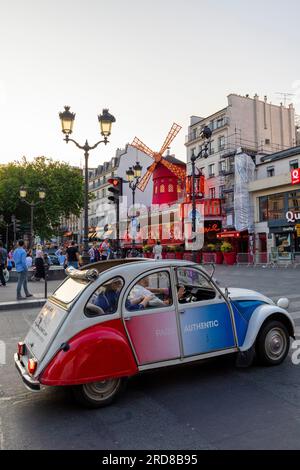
<point x="3" y="263"/>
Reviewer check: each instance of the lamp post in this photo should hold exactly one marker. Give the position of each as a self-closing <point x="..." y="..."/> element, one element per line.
<point x="206" y="135"/>
<point x="32" y="205"/>
<point x="133" y="178"/>
<point x="67" y="120"/>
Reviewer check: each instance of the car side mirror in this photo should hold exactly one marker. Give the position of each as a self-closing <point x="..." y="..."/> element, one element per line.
<point x="92" y="310"/>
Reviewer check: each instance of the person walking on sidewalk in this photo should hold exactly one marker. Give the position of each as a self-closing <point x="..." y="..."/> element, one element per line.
<point x="72" y="255"/>
<point x="157" y="250"/>
<point x="21" y="268"/>
<point x="3" y="263"/>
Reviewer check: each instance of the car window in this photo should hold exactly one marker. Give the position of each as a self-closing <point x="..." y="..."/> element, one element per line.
<point x="105" y="299"/>
<point x="67" y="291"/>
<point x="192" y="286"/>
<point x="149" y="292"/>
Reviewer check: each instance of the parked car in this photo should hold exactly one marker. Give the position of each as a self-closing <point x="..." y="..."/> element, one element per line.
<point x="53" y="259"/>
<point x="114" y="319"/>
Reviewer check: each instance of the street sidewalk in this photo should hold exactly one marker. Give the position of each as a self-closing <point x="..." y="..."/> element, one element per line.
<point x="8" y="295"/>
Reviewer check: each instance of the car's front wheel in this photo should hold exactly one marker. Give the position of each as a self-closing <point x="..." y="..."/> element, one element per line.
<point x="99" y="394"/>
<point x="273" y="343"/>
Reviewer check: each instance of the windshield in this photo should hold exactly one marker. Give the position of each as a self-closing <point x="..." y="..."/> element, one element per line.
<point x="191" y="277"/>
<point x="70" y="289"/>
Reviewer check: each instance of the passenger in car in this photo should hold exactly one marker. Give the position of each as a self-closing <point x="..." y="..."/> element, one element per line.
<point x="108" y="296"/>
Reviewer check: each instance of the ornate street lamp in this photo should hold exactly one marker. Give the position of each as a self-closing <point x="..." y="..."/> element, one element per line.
<point x="23" y="194"/>
<point x="67" y="120"/>
<point x="133" y="178"/>
<point x="206" y="135"/>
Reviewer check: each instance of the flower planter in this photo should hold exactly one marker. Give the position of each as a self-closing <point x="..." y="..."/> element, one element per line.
<point x="219" y="257"/>
<point x="189" y="256"/>
<point x="147" y="255"/>
<point x="164" y="255"/>
<point x="229" y="257"/>
<point x="178" y="255"/>
<point x="170" y="255"/>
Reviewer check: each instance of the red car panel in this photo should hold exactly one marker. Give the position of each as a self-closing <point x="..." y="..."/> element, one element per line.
<point x="97" y="353"/>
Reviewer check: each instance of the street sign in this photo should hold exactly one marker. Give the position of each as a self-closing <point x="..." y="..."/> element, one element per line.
<point x="295" y="175"/>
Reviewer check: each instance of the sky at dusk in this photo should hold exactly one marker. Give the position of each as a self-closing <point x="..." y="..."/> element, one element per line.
<point x="150" y="62"/>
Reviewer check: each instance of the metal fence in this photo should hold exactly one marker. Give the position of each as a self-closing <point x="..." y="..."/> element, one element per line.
<point x="208" y="258"/>
<point x="272" y="260"/>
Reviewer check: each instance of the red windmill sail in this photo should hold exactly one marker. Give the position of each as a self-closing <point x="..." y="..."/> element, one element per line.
<point x="158" y="157"/>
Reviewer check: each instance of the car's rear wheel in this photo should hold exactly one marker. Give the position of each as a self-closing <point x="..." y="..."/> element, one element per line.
<point x="273" y="343"/>
<point x="98" y="394"/>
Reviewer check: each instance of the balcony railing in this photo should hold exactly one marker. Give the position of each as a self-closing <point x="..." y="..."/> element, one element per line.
<point x="197" y="135"/>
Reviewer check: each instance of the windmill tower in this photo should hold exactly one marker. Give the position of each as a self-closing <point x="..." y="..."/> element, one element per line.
<point x="167" y="172"/>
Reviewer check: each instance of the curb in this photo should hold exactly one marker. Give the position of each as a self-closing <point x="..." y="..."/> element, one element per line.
<point x="22" y="304"/>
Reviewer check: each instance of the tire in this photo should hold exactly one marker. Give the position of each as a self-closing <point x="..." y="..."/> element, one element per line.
<point x="273" y="343"/>
<point x="99" y="394"/>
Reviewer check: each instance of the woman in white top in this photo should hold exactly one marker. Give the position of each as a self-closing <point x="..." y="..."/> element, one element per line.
<point x="157" y="250"/>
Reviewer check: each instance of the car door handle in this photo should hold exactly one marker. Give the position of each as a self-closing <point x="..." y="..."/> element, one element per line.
<point x="181" y="311"/>
<point x="127" y="318"/>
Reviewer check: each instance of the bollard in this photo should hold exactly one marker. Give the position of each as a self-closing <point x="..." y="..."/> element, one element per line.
<point x="46" y="267"/>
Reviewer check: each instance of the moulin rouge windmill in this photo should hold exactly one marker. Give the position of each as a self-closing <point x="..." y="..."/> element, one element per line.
<point x="168" y="172"/>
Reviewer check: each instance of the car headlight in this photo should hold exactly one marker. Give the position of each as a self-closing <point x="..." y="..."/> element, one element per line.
<point x="283" y="302"/>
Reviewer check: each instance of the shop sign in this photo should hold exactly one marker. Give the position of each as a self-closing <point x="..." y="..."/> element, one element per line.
<point x="292" y="216"/>
<point x="295" y="174"/>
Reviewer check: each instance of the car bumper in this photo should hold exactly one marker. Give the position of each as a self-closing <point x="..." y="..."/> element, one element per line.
<point x="29" y="382"/>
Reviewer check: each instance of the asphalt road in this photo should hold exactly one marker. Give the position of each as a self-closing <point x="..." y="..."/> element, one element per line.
<point x="204" y="406"/>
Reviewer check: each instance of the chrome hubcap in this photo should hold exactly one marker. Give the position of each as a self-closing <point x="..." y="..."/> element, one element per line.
<point x="101" y="390"/>
<point x="275" y="344"/>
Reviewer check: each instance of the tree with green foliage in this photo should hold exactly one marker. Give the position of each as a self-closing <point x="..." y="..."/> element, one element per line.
<point x="63" y="184"/>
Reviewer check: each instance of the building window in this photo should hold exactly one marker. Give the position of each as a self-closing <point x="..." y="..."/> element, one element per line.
<point x="193" y="151"/>
<point x="178" y="187"/>
<point x="294" y="164"/>
<point x="294" y="200"/>
<point x="212" y="193"/>
<point x="271" y="207"/>
<point x="194" y="134"/>
<point x="221" y="189"/>
<point x="276" y="207"/>
<point x="162" y="188"/>
<point x="170" y="188"/>
<point x="222" y="166"/>
<point x="263" y="208"/>
<point x="221" y="142"/>
<point x="270" y="171"/>
<point x="211" y="170"/>
<point x="220" y="122"/>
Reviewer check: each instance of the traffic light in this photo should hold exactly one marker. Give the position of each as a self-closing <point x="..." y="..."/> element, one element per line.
<point x="17" y="225"/>
<point x="115" y="189"/>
